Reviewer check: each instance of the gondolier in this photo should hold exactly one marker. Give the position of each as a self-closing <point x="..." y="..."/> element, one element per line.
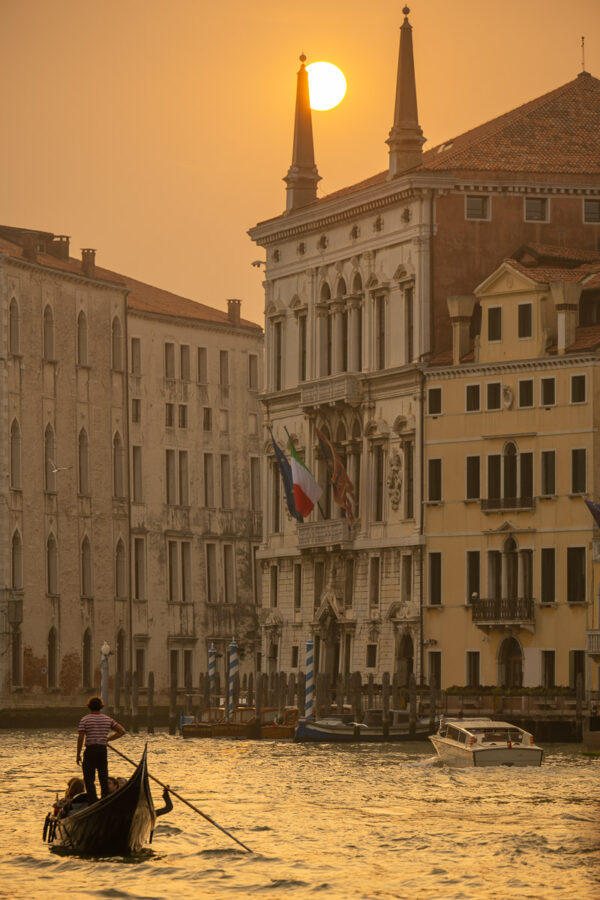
<point x="97" y="729"/>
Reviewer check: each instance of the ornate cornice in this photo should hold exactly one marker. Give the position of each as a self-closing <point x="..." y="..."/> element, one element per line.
<point x="525" y="365"/>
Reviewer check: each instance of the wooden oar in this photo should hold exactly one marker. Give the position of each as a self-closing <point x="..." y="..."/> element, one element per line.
<point x="187" y="802"/>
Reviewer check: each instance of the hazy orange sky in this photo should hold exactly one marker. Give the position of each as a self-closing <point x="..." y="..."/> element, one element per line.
<point x="158" y="131"/>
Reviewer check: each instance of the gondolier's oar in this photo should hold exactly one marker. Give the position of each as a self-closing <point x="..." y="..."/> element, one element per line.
<point x="187" y="802"/>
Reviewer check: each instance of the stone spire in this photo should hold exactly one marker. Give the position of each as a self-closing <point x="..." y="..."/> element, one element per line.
<point x="302" y="176"/>
<point x="406" y="137"/>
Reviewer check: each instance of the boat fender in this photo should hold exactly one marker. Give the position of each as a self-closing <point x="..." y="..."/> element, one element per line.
<point x="46" y="826"/>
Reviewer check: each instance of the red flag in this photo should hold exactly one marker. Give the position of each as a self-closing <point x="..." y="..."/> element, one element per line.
<point x="343" y="489"/>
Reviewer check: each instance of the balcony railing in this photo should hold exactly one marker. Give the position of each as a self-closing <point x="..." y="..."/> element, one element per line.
<point x="490" y="504"/>
<point x="592" y="644"/>
<point x="324" y="534"/>
<point x="503" y="610"/>
<point x="334" y="389"/>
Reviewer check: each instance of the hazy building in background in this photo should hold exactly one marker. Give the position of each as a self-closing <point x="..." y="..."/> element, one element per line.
<point x="357" y="284"/>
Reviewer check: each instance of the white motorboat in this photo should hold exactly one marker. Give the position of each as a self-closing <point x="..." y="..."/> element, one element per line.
<point x="485" y="742"/>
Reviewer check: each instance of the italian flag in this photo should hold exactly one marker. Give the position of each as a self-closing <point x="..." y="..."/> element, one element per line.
<point x="306" y="489"/>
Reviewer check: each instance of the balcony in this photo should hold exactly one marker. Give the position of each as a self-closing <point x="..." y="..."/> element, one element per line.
<point x="592" y="643"/>
<point x="324" y="534"/>
<point x="503" y="611"/>
<point x="497" y="504"/>
<point x="343" y="388"/>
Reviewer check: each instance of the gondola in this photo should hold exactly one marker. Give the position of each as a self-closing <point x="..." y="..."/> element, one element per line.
<point x="119" y="824"/>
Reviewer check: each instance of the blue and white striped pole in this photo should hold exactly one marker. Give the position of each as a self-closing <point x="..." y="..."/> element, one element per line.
<point x="234" y="664"/>
<point x="310" y="676"/>
<point x="212" y="668"/>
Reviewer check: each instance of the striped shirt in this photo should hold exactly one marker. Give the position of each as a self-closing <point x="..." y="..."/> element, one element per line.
<point x="96" y="727"/>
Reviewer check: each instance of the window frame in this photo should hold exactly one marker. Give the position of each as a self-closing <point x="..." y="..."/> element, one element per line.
<point x="545" y="206"/>
<point x="526" y="381"/>
<point x="574" y="491"/>
<point x="438" y="582"/>
<point x="471" y="387"/>
<point x="489" y="385"/>
<point x="549" y="379"/>
<point x="578" y="376"/>
<point x="490" y="310"/>
<point x="487" y="207"/>
<point x="437" y="392"/>
<point x="586" y="220"/>
<point x="525" y="306"/>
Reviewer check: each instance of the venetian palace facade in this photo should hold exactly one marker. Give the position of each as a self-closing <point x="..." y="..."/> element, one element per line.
<point x="357" y="288"/>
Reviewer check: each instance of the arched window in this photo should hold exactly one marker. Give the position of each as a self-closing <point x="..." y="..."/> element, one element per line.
<point x="52" y="658"/>
<point x="86" y="568"/>
<point x="117" y="349"/>
<point x="16" y="562"/>
<point x="49" y="456"/>
<point x="84" y="463"/>
<point x="14" y="332"/>
<point x="15" y="456"/>
<point x="82" y="339"/>
<point x="510" y="663"/>
<point x="118" y="465"/>
<point x="120" y="571"/>
<point x="325" y="333"/>
<point x="87" y="667"/>
<point x="48" y="334"/>
<point x="51" y="566"/>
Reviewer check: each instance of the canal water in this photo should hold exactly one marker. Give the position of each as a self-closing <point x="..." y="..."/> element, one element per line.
<point x="323" y="821"/>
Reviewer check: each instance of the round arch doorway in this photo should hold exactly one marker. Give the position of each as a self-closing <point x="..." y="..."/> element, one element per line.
<point x="405" y="659"/>
<point x="510" y="663"/>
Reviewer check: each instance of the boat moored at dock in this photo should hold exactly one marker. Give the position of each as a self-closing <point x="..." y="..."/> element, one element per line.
<point x="485" y="742"/>
<point x="342" y="728"/>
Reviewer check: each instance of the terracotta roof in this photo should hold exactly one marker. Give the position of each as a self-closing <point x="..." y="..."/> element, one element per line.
<point x="63" y="265"/>
<point x="586" y="338"/>
<point x="547" y="274"/>
<point x="553" y="252"/>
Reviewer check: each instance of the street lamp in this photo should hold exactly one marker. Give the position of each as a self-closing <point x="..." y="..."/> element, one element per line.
<point x="104" y="654"/>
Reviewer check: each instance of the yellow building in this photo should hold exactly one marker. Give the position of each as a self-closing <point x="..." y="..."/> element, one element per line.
<point x="511" y="452"/>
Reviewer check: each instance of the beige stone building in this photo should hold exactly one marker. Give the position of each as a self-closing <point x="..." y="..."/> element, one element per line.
<point x="511" y="448"/>
<point x="64" y="519"/>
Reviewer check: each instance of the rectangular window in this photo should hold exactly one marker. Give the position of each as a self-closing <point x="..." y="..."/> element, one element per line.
<point x="576" y="669"/>
<point x="578" y="471"/>
<point x="319" y="583"/>
<point x="256" y="579"/>
<point x="186" y="571"/>
<point x="378" y="477"/>
<point x="184" y="362"/>
<point x="548" y="397"/>
<point x="434" y="401"/>
<point x="169" y="360"/>
<point x="207" y="419"/>
<point x="183" y="415"/>
<point x="274" y="587"/>
<point x="184" y="479"/>
<point x="577" y="388"/>
<point x="209" y="480"/>
<point x="277" y="354"/>
<point x="173" y="566"/>
<point x="473" y="478"/>
<point x="302" y="347"/>
<point x="255" y="498"/>
<point x="297" y="587"/>
<point x="171" y="479"/>
<point x="473" y="575"/>
<point x="136" y="356"/>
<point x="473" y="675"/>
<point x="211" y="573"/>
<point x="228" y="573"/>
<point x="295" y="656"/>
<point x="374" y="569"/>
<point x="548" y="473"/>
<point x="526" y="473"/>
<point x="494" y="476"/>
<point x="473" y="398"/>
<point x="536" y="209"/>
<point x="494" y="574"/>
<point x="225" y="482"/>
<point x="548" y="575"/>
<point x="526" y="393"/>
<point x="548" y="668"/>
<point x="187" y="668"/>
<point x="495" y="323"/>
<point x="224" y="368"/>
<point x="406" y="579"/>
<point x="223" y="421"/>
<point x="139" y="569"/>
<point x="202" y="365"/>
<point x="477" y="207"/>
<point x="591" y="211"/>
<point x="169" y="415"/>
<point x="525" y="320"/>
<point x="253" y="371"/>
<point x="494" y="395"/>
<point x="435" y="579"/>
<point x="576" y="574"/>
<point x="380" y="332"/>
<point x="174" y="668"/>
<point x="434" y="668"/>
<point x="136" y="461"/>
<point x="434" y="480"/>
<point x="371" y="661"/>
<point x="136" y="411"/>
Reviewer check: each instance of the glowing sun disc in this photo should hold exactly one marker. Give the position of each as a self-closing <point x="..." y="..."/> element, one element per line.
<point x="326" y="85"/>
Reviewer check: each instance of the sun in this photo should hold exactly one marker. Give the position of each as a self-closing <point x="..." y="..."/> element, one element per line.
<point x="326" y="85"/>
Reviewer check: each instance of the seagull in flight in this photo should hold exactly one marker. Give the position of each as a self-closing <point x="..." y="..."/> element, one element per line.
<point x="56" y="468"/>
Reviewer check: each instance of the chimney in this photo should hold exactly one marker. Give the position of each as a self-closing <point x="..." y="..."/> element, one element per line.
<point x="460" y="310"/>
<point x="88" y="262"/>
<point x="233" y="311"/>
<point x="58" y="246"/>
<point x="566" y="303"/>
<point x="29" y="243"/>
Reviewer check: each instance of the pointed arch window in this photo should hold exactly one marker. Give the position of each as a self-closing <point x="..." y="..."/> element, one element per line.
<point x="16" y="562"/>
<point x="15" y="456"/>
<point x="83" y="464"/>
<point x="117" y="345"/>
<point x="118" y="466"/>
<point x="48" y="342"/>
<point x="14" y="327"/>
<point x="120" y="571"/>
<point x="49" y="457"/>
<point x="51" y="566"/>
<point x="87" y="667"/>
<point x="86" y="568"/>
<point x="52" y="658"/>
<point x="82" y="339"/>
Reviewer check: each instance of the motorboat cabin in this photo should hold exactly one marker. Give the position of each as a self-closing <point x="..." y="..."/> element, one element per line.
<point x="485" y="742"/>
